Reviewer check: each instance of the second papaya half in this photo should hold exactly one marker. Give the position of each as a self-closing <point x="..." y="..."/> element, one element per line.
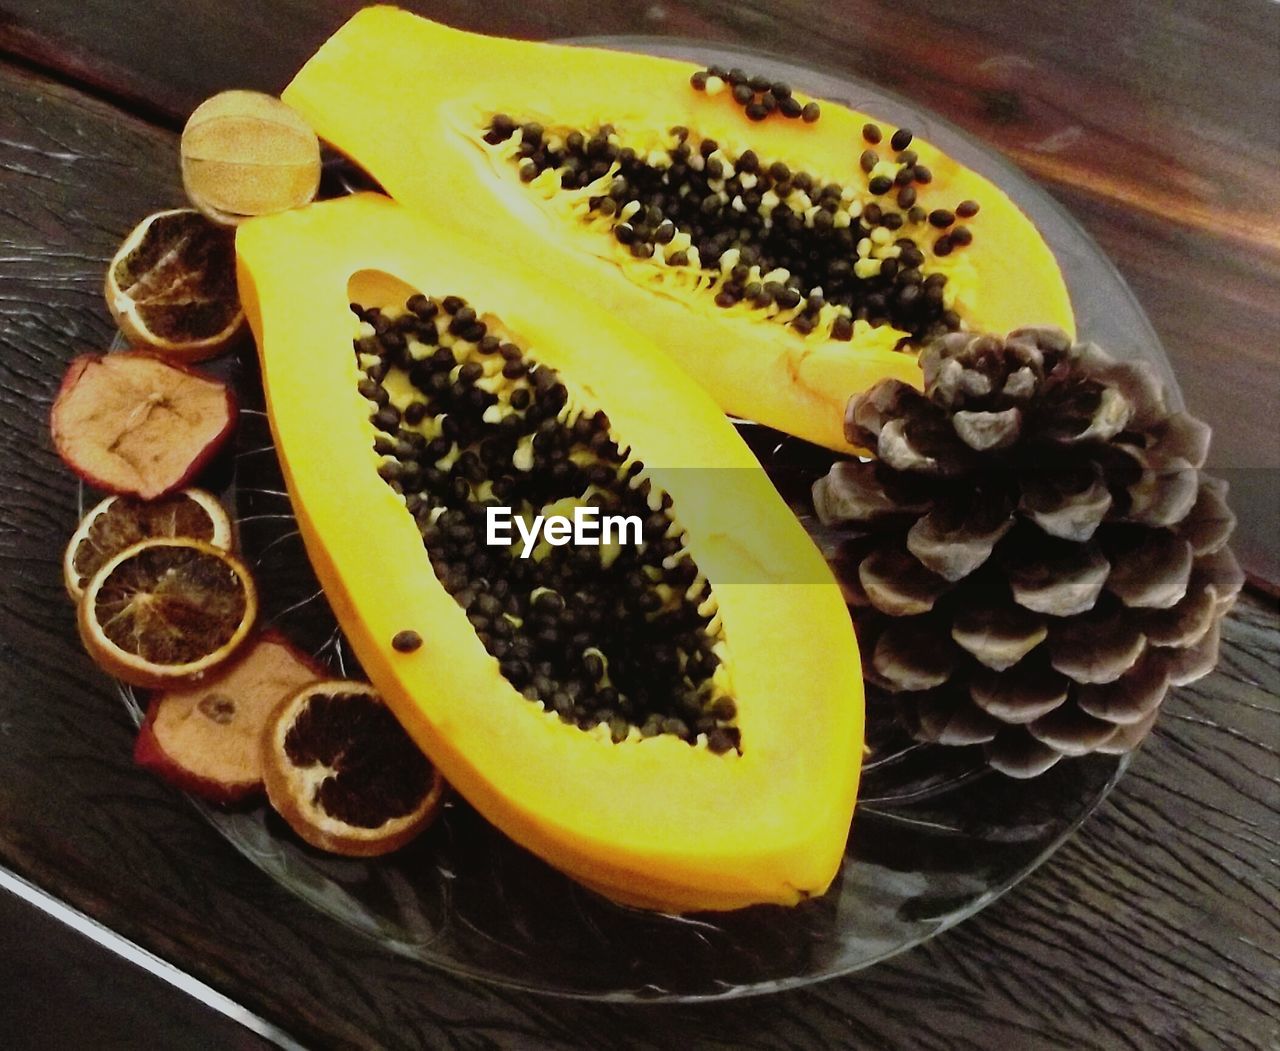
<point x="785" y="263"/>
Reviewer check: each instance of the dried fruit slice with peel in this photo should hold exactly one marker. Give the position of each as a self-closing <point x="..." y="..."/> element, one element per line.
<point x="166" y="611"/>
<point x="172" y="286"/>
<point x="131" y="423"/>
<point x="343" y="773"/>
<point x="120" y="521"/>
<point x="206" y="739"/>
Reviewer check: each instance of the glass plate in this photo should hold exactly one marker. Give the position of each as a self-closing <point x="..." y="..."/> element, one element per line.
<point x="936" y="835"/>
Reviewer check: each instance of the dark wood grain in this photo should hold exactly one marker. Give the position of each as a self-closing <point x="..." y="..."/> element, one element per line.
<point x="1155" y="927"/>
<point x="53" y="995"/>
<point x="1156" y="124"/>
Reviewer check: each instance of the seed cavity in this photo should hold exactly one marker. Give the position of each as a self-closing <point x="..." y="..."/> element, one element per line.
<point x="835" y="258"/>
<point x="621" y="640"/>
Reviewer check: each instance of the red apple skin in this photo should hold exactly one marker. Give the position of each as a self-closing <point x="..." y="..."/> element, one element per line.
<point x="64" y="442"/>
<point x="149" y="755"/>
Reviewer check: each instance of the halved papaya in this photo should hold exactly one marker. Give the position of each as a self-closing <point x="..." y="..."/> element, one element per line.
<point x="673" y="717"/>
<point x="785" y="264"/>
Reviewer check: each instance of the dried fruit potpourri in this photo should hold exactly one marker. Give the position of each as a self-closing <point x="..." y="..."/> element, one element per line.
<point x="245" y="154"/>
<point x="133" y="424"/>
<point x="344" y="774"/>
<point x="166" y="611"/>
<point x="171" y="287"/>
<point x="121" y="521"/>
<point x="206" y="739"/>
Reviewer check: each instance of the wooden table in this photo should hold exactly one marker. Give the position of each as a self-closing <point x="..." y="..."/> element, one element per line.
<point x="1157" y="125"/>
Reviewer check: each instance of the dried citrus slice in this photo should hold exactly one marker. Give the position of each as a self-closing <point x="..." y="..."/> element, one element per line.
<point x="120" y="521"/>
<point x="131" y="423"/>
<point x="166" y="610"/>
<point x="344" y="774"/>
<point x="172" y="285"/>
<point x="207" y="738"/>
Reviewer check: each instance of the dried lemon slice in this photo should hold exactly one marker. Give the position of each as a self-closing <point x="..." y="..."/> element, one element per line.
<point x="121" y="521"/>
<point x="172" y="286"/>
<point x="344" y="774"/>
<point x="166" y="610"/>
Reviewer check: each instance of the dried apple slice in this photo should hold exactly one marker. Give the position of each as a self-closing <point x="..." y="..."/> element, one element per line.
<point x="120" y="521"/>
<point x="166" y="611"/>
<point x="344" y="774"/>
<point x="172" y="286"/>
<point x="207" y="739"/>
<point x="133" y="424"/>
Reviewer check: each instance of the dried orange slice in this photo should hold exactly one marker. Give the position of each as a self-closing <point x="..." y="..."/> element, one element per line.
<point x="172" y="286"/>
<point x="344" y="774"/>
<point x="131" y="423"/>
<point x="166" y="610"/>
<point x="207" y="738"/>
<point x="120" y="521"/>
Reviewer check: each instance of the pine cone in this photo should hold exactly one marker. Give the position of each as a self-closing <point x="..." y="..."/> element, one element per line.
<point x="1038" y="558"/>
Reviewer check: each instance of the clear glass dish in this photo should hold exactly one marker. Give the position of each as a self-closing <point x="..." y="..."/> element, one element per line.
<point x="936" y="836"/>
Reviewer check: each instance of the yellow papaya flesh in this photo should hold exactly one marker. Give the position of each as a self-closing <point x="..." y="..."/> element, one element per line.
<point x="659" y="820"/>
<point x="414" y="102"/>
